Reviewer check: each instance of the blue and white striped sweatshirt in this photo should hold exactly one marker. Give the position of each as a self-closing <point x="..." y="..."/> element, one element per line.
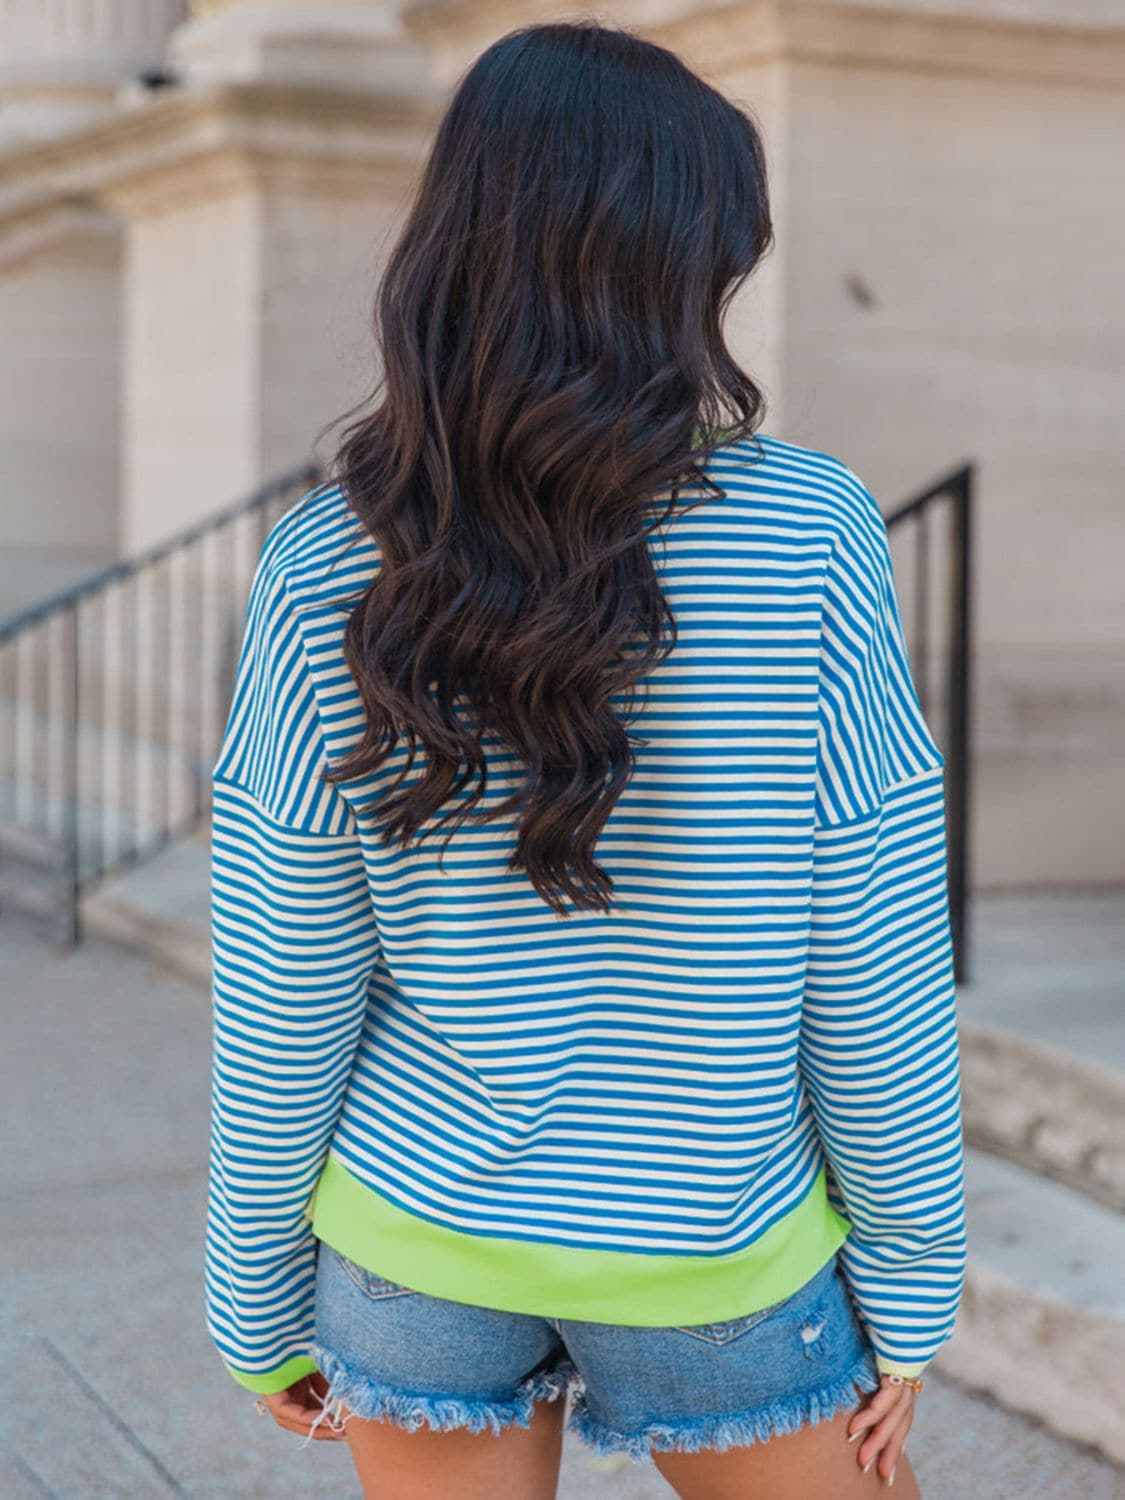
<point x="668" y="1114"/>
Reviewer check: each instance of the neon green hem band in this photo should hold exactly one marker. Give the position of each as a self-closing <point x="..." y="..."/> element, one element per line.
<point x="275" y="1380"/>
<point x="560" y="1281"/>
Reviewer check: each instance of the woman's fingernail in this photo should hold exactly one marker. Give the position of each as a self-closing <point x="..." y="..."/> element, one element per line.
<point x="868" y="1464"/>
<point x="891" y="1480"/>
<point x="858" y="1434"/>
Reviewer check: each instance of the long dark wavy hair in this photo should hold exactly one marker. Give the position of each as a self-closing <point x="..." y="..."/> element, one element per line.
<point x="549" y="322"/>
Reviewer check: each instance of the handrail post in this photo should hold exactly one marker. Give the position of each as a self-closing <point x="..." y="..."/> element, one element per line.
<point x="69" y="934"/>
<point x="956" y="488"/>
<point x="960" y="711"/>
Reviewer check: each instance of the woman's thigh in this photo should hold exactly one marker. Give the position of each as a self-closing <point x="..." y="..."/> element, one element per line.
<point x="814" y="1463"/>
<point x="518" y="1463"/>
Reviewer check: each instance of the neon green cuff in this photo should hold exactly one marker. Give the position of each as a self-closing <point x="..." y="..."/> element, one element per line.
<point x="893" y="1367"/>
<point x="275" y="1380"/>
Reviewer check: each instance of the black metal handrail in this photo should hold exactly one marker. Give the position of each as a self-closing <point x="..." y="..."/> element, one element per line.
<point x="955" y="491"/>
<point x="112" y="696"/>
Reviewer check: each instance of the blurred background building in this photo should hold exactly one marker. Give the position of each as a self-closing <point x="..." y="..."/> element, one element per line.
<point x="196" y="200"/>
<point x="195" y="203"/>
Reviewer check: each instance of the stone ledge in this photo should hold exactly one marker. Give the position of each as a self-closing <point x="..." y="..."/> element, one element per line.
<point x="177" y="946"/>
<point x="1042" y="1356"/>
<point x="1051" y="1111"/>
<point x="248" y="129"/>
<point x="726" y="35"/>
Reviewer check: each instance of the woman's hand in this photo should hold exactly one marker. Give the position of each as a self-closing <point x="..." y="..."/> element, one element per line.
<point x="297" y="1408"/>
<point x="881" y="1426"/>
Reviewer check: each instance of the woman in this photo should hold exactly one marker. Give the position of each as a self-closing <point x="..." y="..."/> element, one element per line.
<point x="583" y="998"/>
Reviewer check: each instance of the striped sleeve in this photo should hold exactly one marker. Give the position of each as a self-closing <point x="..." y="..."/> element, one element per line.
<point x="293" y="948"/>
<point x="879" y="1048"/>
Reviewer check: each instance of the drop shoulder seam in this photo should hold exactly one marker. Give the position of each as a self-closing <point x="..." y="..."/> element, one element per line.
<point x="233" y="784"/>
<point x="900" y="784"/>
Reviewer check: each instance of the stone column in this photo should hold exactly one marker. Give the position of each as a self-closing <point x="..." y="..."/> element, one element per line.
<point x="60" y="415"/>
<point x="63" y="66"/>
<point x="62" y="61"/>
<point x="264" y="195"/>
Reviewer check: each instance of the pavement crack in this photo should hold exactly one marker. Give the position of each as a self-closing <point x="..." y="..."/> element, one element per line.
<point x="174" y="1485"/>
<point x="37" y="1482"/>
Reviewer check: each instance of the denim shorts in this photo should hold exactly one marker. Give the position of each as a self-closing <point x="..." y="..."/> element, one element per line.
<point x="404" y="1356"/>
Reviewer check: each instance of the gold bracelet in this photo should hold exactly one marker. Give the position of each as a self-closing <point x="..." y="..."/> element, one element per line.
<point x="915" y="1382"/>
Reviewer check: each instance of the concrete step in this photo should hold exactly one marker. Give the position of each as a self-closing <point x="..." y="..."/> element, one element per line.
<point x="1043" y="1041"/>
<point x="29" y="888"/>
<point x="160" y="908"/>
<point x="33" y="875"/>
<point x="1041" y="1327"/>
<point x="147" y="790"/>
<point x="29" y="845"/>
<point x="1045" y="1108"/>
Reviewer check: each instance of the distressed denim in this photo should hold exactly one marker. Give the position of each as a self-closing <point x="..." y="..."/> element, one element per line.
<point x="390" y="1352"/>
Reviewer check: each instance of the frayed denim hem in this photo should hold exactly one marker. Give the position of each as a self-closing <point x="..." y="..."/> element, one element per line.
<point x="367" y="1398"/>
<point x="728" y="1430"/>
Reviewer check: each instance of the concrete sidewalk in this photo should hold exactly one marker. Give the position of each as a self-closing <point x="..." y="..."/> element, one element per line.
<point x="113" y="1390"/>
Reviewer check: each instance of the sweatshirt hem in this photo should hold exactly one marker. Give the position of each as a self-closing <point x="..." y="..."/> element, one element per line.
<point x="545" y="1279"/>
